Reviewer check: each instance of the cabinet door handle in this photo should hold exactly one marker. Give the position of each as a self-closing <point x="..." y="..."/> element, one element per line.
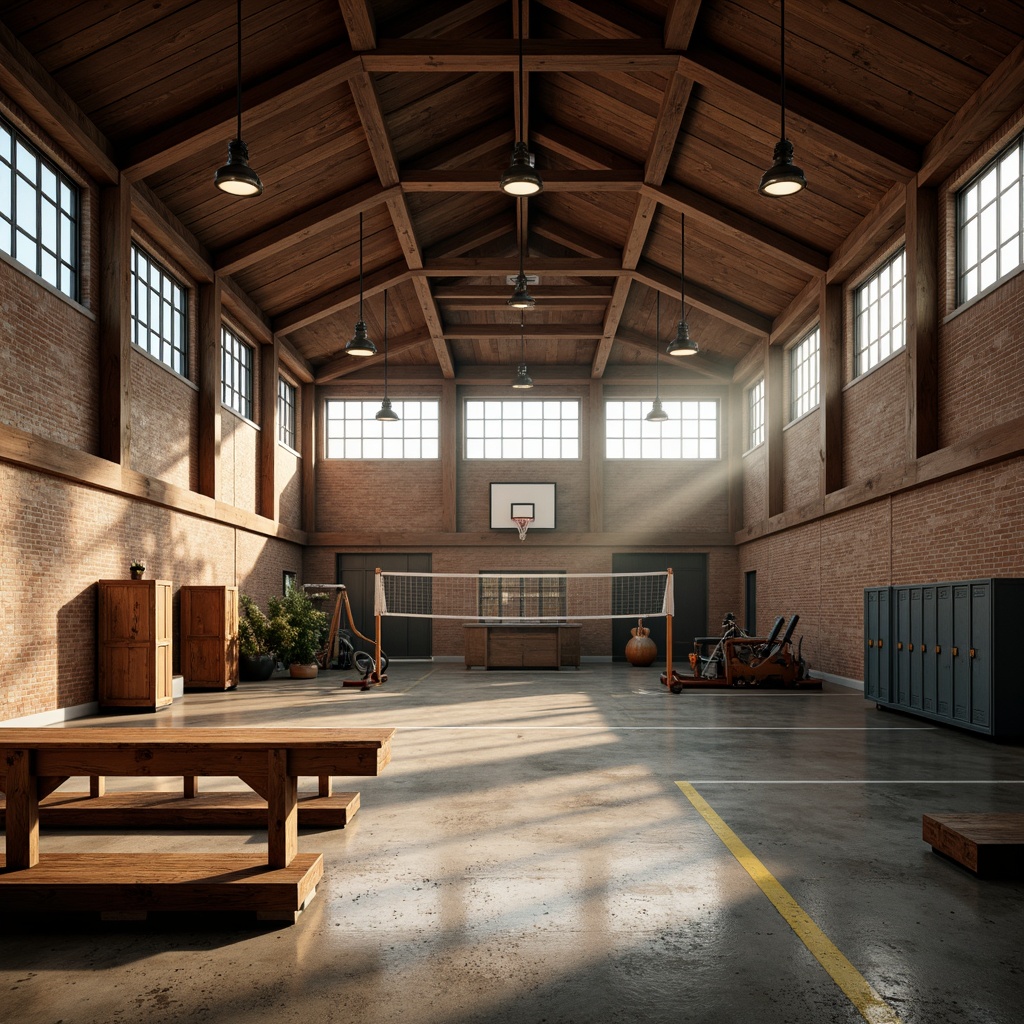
<point x="956" y="652"/>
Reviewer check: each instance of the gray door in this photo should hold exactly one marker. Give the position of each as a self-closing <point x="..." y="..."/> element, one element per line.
<point x="690" y="589"/>
<point x="400" y="637"/>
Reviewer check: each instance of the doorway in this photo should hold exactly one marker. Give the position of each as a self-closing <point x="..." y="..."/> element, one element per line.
<point x="690" y="590"/>
<point x="750" y="602"/>
<point x="400" y="637"/>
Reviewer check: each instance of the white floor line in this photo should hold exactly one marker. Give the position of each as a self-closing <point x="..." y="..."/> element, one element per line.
<point x="856" y="782"/>
<point x="679" y="728"/>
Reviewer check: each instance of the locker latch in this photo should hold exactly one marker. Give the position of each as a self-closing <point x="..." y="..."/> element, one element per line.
<point x="871" y="643"/>
<point x="879" y="643"/>
<point x="910" y="647"/>
<point x="899" y="646"/>
<point x="972" y="652"/>
<point x="956" y="652"/>
<point x="938" y="650"/>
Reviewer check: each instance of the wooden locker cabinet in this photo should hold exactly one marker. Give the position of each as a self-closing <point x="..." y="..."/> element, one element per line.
<point x="135" y="645"/>
<point x="209" y="637"/>
<point x="952" y="656"/>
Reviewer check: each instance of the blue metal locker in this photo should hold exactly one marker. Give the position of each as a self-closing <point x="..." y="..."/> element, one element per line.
<point x="917" y="639"/>
<point x="929" y="653"/>
<point x="961" y="646"/>
<point x="902" y="637"/>
<point x="980" y="654"/>
<point x="944" y="659"/>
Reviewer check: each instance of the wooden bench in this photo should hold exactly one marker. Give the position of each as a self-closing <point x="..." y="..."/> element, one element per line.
<point x="35" y="762"/>
<point x="990" y="845"/>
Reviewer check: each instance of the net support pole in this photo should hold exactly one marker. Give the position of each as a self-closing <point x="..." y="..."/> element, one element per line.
<point x="378" y="588"/>
<point x="668" y="632"/>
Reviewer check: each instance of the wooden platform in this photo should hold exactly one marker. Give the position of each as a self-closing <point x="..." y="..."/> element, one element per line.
<point x="135" y="811"/>
<point x="990" y="845"/>
<point x="131" y="885"/>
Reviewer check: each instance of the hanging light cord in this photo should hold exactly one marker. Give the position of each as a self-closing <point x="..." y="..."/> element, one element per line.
<point x="522" y="115"/>
<point x="782" y="62"/>
<point x="521" y="237"/>
<point x="360" y="263"/>
<point x="522" y="337"/>
<point x="682" y="265"/>
<point x="238" y="80"/>
<point x="657" y="345"/>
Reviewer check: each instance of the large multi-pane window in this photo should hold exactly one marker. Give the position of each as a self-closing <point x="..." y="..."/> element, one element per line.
<point x="990" y="223"/>
<point x="522" y="429"/>
<point x="236" y="373"/>
<point x="159" y="312"/>
<point x="286" y="413"/>
<point x="755" y="414"/>
<point x="878" y="309"/>
<point x="353" y="432"/>
<point x="690" y="432"/>
<point x="523" y="596"/>
<point x="803" y="374"/>
<point x="39" y="212"/>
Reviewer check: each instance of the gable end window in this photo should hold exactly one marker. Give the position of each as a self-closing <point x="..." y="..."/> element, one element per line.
<point x="159" y="312"/>
<point x="39" y="213"/>
<point x="803" y="374"/>
<point x="878" y="310"/>
<point x="236" y="373"/>
<point x="990" y="223"/>
<point x="755" y="414"/>
<point x="690" y="432"/>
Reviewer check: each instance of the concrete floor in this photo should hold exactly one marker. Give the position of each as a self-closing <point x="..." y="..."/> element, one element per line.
<point x="528" y="857"/>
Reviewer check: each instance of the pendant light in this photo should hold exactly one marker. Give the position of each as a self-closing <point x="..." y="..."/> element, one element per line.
<point x="236" y="177"/>
<point x="360" y="345"/>
<point x="523" y="379"/>
<point x="520" y="178"/>
<point x="521" y="298"/>
<point x="782" y="178"/>
<point x="657" y="413"/>
<point x="385" y="413"/>
<point x="682" y="344"/>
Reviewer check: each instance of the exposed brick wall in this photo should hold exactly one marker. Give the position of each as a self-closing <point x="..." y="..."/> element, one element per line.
<point x="165" y="409"/>
<point x="239" y="462"/>
<point x="801" y="460"/>
<point x="874" y="420"/>
<point x="755" y="485"/>
<point x="288" y="481"/>
<point x="675" y="496"/>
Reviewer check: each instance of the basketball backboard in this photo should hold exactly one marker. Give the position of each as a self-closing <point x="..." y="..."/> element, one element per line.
<point x="526" y="499"/>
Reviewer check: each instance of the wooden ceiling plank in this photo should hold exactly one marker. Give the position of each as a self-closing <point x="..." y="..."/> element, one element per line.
<point x="28" y="83"/>
<point x="213" y="123"/>
<point x="740" y="84"/>
<point x="428" y="21"/>
<point x="475" y="235"/>
<point x="701" y="365"/>
<point x="555" y="293"/>
<point x="988" y="108"/>
<point x="544" y="332"/>
<point x="340" y="298"/>
<point x="496" y="303"/>
<point x="462" y="151"/>
<point x="250" y="317"/>
<point x="501" y="266"/>
<point x="295" y="365"/>
<point x="343" y="365"/>
<point x="738" y="226"/>
<point x="358" y="18"/>
<point x="484" y="180"/>
<point x="585" y="244"/>
<point x="308" y="224"/>
<point x="152" y="215"/>
<point x="594" y="156"/>
<point x="604" y="18"/>
<point x="874" y="230"/>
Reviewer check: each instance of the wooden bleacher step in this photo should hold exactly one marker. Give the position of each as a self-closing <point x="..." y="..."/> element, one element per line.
<point x="990" y="845"/>
<point x="131" y="885"/>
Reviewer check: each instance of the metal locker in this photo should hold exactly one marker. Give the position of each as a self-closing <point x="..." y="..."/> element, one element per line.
<point x="944" y="659"/>
<point x="902" y="637"/>
<point x="929" y="654"/>
<point x="917" y="639"/>
<point x="980" y="655"/>
<point x="876" y="644"/>
<point x="961" y="645"/>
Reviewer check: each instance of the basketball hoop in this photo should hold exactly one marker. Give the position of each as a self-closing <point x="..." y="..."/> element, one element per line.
<point x="522" y="524"/>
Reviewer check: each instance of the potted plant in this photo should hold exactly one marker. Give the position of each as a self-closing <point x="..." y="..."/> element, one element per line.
<point x="137" y="568"/>
<point x="299" y="632"/>
<point x="256" y="659"/>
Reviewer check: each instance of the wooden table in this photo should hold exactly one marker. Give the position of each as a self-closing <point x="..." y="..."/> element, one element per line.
<point x="522" y="644"/>
<point x="34" y="762"/>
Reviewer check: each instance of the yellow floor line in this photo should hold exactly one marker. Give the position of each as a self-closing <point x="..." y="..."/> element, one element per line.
<point x="868" y="1002"/>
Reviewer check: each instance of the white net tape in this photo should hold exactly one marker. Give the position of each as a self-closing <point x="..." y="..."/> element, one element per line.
<point x="528" y="596"/>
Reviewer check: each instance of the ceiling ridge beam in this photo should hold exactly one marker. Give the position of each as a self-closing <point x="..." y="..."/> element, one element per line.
<point x="215" y="122"/>
<point x="546" y="332"/>
<point x="477" y="179"/>
<point x="499" y="266"/>
<point x="313" y="221"/>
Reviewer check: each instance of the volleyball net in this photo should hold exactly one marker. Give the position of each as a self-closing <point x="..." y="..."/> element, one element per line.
<point x="533" y="597"/>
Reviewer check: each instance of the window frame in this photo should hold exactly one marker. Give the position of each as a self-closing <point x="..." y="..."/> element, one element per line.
<point x="532" y="597"/>
<point x="799" y="366"/>
<point x="66" y="271"/>
<point x="872" y="348"/>
<point x="755" y="414"/>
<point x="171" y="353"/>
<point x="286" y="409"/>
<point x="236" y="387"/>
<point x="973" y="223"/>
<point x="401" y="431"/>
<point x="563" y="444"/>
<point x="660" y="436"/>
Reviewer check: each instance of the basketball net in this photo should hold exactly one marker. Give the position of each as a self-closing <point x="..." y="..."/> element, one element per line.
<point x="522" y="524"/>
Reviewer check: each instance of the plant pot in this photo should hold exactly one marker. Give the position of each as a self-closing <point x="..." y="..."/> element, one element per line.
<point x="255" y="670"/>
<point x="297" y="671"/>
<point x="137" y="574"/>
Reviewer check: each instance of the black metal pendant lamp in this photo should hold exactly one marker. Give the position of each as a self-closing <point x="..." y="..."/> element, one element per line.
<point x="782" y="178"/>
<point x="520" y="177"/>
<point x="521" y="297"/>
<point x="523" y="380"/>
<point x="385" y="413"/>
<point x="657" y="413"/>
<point x="236" y="177"/>
<point x="360" y="345"/>
<point x="682" y="344"/>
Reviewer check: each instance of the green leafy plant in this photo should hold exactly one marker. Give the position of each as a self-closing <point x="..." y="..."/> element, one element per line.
<point x="298" y="630"/>
<point x="137" y="565"/>
<point x="254" y="634"/>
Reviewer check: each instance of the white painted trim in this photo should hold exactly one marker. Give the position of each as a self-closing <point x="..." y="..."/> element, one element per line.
<point x="53" y="717"/>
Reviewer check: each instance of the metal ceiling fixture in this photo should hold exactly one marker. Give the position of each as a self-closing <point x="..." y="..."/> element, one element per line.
<point x="523" y="379"/>
<point x="521" y="297"/>
<point x="682" y="344"/>
<point x="360" y="345"/>
<point x="657" y="413"/>
<point x="236" y="177"/>
<point x="520" y="177"/>
<point x="782" y="178"/>
<point x="385" y="413"/>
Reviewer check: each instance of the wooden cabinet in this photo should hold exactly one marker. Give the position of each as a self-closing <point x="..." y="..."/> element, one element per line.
<point x="952" y="654"/>
<point x="209" y="637"/>
<point x="522" y="645"/>
<point x="135" y="645"/>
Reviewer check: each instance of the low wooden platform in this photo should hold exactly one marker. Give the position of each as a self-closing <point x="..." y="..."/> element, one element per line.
<point x="131" y="885"/>
<point x="135" y="811"/>
<point x="990" y="845"/>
